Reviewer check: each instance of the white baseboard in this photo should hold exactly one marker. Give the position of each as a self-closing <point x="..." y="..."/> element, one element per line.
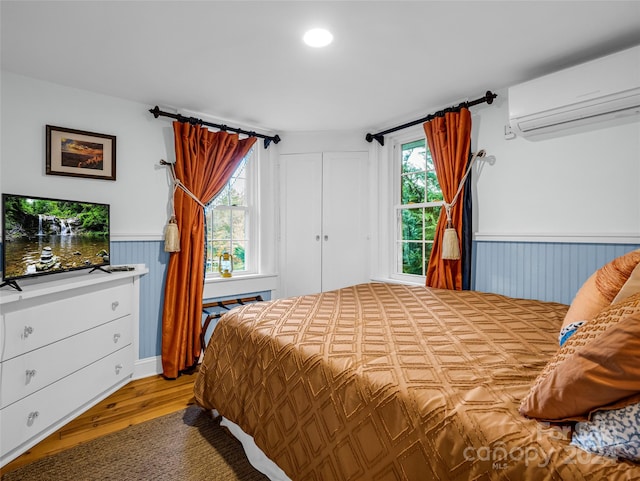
<point x="149" y="366"/>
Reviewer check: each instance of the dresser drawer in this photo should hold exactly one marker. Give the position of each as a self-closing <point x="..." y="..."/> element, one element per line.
<point x="26" y="374"/>
<point x="57" y="403"/>
<point x="32" y="327"/>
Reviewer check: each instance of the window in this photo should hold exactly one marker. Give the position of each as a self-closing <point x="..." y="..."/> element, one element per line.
<point x="231" y="221"/>
<point x="418" y="205"/>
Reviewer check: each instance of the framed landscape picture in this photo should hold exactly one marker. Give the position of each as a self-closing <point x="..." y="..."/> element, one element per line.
<point x="77" y="153"/>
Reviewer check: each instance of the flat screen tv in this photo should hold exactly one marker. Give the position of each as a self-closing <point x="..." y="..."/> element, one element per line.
<point x="42" y="236"/>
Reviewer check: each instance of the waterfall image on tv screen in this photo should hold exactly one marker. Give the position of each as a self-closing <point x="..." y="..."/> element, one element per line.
<point x="43" y="236"/>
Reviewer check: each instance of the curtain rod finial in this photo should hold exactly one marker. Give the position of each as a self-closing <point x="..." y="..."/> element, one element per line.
<point x="378" y="137"/>
<point x="490" y="96"/>
<point x="267" y="140"/>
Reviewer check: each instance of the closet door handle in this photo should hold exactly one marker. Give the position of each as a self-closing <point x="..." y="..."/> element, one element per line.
<point x="326" y="237"/>
<point x="317" y="237"/>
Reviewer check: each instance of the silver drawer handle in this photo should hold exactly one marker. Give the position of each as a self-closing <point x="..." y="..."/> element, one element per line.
<point x="118" y="368"/>
<point x="32" y="417"/>
<point x="114" y="305"/>
<point x="30" y="373"/>
<point x="116" y="337"/>
<point x="27" y="331"/>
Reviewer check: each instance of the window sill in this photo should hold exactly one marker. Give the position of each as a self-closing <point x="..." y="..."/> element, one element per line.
<point x="418" y="282"/>
<point x="234" y="286"/>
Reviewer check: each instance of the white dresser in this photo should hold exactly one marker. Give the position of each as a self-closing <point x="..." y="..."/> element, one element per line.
<point x="66" y="342"/>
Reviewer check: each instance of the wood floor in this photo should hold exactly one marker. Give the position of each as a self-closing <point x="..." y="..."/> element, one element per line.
<point x="138" y="401"/>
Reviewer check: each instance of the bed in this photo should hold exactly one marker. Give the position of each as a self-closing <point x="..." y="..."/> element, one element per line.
<point x="384" y="382"/>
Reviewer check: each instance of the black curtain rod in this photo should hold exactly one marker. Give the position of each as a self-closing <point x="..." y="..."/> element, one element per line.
<point x="194" y="121"/>
<point x="488" y="98"/>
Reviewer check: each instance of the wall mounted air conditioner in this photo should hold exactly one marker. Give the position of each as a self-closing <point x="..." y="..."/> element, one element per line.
<point x="601" y="90"/>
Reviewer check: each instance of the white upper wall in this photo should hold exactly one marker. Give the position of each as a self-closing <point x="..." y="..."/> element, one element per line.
<point x="138" y="197"/>
<point x="585" y="185"/>
<point x="326" y="141"/>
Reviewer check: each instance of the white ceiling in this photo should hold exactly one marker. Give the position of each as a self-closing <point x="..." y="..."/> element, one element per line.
<point x="245" y="61"/>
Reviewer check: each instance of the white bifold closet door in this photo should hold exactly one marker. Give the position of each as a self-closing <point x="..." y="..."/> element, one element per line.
<point x="324" y="221"/>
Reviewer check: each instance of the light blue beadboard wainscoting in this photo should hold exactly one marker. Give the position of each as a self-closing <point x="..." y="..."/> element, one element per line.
<point x="152" y="254"/>
<point x="547" y="271"/>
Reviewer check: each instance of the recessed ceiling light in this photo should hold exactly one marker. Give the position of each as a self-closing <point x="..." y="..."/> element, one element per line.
<point x="318" y="37"/>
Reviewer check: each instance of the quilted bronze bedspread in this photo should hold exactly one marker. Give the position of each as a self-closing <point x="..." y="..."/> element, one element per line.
<point x="382" y="382"/>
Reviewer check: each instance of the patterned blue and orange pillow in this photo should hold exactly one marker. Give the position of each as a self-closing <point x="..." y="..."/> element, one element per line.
<point x="614" y="433"/>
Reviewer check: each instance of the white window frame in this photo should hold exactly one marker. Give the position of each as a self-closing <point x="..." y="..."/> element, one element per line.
<point x="396" y="208"/>
<point x="252" y="261"/>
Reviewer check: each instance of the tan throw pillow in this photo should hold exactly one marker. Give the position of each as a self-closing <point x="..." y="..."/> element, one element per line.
<point x="601" y="288"/>
<point x="597" y="367"/>
<point x="631" y="287"/>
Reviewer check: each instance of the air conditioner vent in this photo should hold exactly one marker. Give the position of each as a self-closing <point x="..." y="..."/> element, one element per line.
<point x="600" y="90"/>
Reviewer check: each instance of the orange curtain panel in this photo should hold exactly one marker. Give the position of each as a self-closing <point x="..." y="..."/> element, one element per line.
<point x="449" y="139"/>
<point x="205" y="161"/>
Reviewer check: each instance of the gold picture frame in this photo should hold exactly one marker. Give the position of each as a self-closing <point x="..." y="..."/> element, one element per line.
<point x="78" y="153"/>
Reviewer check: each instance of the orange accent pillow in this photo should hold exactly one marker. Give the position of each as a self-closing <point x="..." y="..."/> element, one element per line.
<point x="631" y="287"/>
<point x="596" y="368"/>
<point x="599" y="290"/>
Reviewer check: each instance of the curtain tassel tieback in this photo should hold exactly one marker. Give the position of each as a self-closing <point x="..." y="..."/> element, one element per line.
<point x="172" y="236"/>
<point x="171" y="232"/>
<point x="450" y="243"/>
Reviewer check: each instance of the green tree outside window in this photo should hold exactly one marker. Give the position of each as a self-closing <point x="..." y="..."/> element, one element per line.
<point x="419" y="207"/>
<point x="227" y="218"/>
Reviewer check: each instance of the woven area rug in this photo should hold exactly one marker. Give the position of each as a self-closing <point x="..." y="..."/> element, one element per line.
<point x="184" y="446"/>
